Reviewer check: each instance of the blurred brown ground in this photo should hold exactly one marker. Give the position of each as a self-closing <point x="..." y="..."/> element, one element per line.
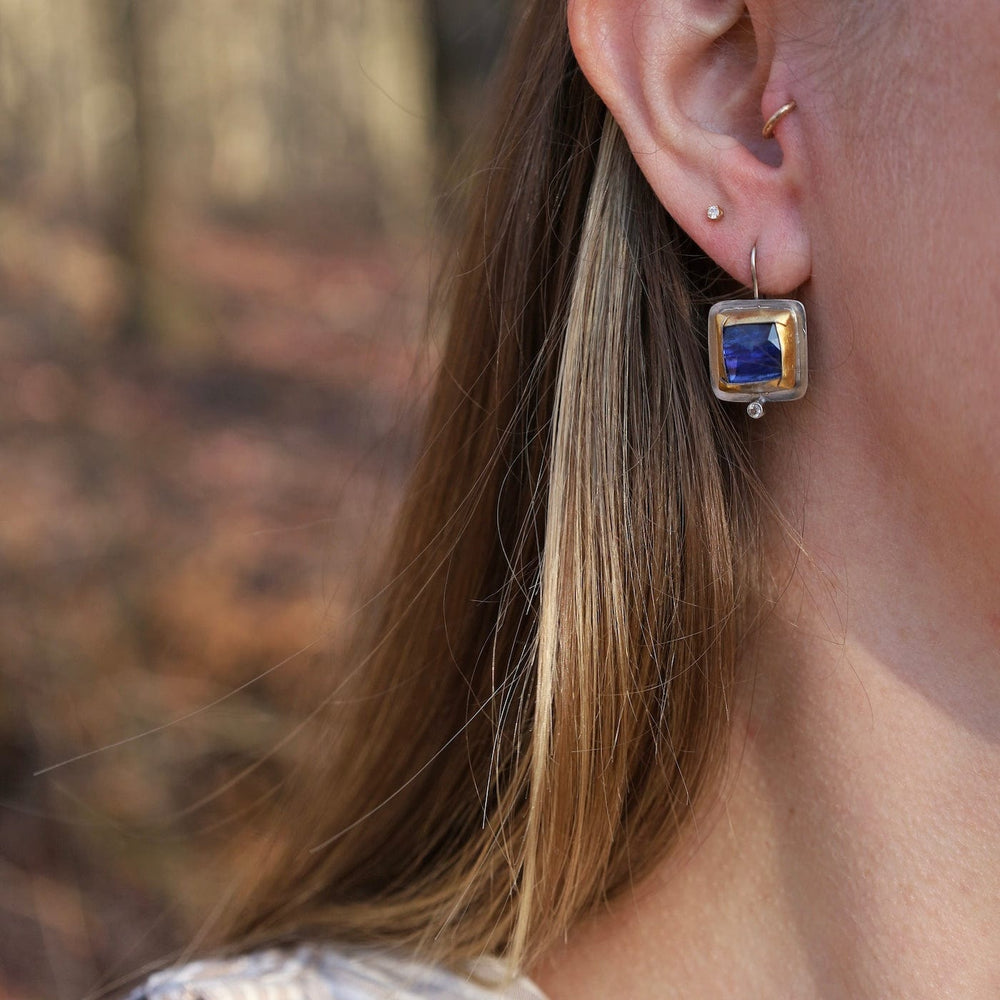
<point x="207" y="413"/>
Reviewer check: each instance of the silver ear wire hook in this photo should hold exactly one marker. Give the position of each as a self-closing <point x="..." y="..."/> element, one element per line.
<point x="753" y="270"/>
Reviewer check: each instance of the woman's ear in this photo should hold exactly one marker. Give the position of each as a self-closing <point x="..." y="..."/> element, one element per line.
<point x="690" y="83"/>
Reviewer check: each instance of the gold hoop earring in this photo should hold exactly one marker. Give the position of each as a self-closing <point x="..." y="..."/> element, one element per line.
<point x="772" y="123"/>
<point x="757" y="348"/>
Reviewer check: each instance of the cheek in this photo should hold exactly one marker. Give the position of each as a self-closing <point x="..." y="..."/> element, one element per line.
<point x="902" y="208"/>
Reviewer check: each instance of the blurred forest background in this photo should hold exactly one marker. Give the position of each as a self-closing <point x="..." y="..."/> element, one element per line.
<point x="218" y="230"/>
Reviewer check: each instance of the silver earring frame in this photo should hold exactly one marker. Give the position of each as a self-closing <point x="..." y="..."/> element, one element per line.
<point x="779" y="326"/>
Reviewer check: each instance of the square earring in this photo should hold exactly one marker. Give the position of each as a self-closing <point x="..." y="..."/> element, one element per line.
<point x="757" y="349"/>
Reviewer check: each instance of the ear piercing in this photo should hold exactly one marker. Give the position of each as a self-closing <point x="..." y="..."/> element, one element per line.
<point x="716" y="212"/>
<point x="772" y="123"/>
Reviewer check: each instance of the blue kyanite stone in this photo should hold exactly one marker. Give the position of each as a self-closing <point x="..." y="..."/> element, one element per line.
<point x="751" y="352"/>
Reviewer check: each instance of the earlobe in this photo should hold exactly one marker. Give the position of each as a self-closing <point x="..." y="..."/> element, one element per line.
<point x="690" y="84"/>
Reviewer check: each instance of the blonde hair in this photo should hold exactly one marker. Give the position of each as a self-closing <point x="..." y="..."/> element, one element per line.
<point x="546" y="673"/>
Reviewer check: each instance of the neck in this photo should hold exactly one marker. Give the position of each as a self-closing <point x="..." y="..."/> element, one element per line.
<point x="854" y="851"/>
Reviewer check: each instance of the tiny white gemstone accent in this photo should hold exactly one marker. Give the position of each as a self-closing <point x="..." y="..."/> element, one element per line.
<point x="714" y="212"/>
<point x="755" y="409"/>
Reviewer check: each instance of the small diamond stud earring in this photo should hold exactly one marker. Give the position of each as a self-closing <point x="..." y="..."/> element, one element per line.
<point x="715" y="212"/>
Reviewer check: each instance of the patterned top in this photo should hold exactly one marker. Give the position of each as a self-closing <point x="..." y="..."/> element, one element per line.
<point x="323" y="972"/>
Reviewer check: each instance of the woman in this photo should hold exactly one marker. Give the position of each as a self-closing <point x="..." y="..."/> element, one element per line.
<point x="662" y="701"/>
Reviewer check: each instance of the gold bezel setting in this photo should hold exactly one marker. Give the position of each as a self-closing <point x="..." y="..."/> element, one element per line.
<point x="789" y="319"/>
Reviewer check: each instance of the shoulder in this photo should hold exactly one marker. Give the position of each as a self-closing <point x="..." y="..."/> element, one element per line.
<point x="318" y="972"/>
